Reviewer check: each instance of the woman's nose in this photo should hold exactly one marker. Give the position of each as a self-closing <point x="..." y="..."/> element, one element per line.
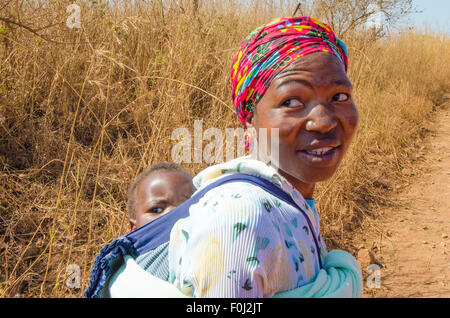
<point x="320" y="119"/>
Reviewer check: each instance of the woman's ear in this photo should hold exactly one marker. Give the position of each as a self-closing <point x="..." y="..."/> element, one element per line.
<point x="249" y="121"/>
<point x="250" y="136"/>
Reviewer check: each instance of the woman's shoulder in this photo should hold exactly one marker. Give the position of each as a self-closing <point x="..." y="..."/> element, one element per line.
<point x="235" y="202"/>
<point x="237" y="191"/>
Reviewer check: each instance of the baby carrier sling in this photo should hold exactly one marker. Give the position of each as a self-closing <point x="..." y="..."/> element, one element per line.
<point x="149" y="243"/>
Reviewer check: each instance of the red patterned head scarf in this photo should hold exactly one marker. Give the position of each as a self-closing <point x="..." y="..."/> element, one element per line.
<point x="271" y="48"/>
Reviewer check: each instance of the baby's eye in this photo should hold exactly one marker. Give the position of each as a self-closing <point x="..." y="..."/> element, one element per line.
<point x="156" y="210"/>
<point x="341" y="97"/>
<point x="292" y="103"/>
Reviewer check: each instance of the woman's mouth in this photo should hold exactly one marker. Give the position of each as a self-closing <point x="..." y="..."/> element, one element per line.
<point x="319" y="151"/>
<point x="321" y="156"/>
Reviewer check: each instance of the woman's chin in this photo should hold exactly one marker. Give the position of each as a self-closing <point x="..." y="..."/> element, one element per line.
<point x="312" y="176"/>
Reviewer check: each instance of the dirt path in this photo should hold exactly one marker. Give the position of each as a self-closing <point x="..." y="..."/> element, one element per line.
<point x="414" y="257"/>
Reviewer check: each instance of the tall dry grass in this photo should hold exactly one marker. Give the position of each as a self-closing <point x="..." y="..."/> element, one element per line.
<point x="83" y="111"/>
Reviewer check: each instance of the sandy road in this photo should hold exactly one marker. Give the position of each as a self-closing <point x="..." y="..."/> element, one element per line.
<point x="415" y="256"/>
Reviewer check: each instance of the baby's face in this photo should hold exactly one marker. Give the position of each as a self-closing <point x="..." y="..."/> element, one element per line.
<point x="158" y="193"/>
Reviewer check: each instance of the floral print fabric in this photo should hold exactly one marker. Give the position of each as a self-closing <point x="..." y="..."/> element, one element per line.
<point x="240" y="241"/>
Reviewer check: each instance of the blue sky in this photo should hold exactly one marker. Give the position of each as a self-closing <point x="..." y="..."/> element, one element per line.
<point x="436" y="13"/>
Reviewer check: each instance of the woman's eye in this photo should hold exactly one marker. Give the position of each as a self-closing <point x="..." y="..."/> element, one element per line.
<point x="292" y="103"/>
<point x="156" y="210"/>
<point x="341" y="97"/>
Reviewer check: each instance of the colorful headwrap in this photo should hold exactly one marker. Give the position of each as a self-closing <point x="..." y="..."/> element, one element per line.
<point x="271" y="48"/>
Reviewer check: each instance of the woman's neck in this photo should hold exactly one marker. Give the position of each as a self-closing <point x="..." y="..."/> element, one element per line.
<point x="305" y="189"/>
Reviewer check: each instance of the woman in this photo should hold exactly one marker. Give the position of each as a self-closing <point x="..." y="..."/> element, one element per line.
<point x="239" y="240"/>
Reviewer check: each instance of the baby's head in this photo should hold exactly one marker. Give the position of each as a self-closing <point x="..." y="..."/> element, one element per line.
<point x="157" y="191"/>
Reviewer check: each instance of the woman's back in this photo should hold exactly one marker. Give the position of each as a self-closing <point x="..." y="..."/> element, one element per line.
<point x="241" y="241"/>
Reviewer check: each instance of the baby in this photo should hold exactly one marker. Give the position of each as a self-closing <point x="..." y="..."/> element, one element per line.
<point x="156" y="191"/>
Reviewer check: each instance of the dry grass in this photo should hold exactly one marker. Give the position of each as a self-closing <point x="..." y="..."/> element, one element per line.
<point x="83" y="114"/>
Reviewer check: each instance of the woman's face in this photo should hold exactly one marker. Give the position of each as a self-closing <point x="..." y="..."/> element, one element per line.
<point x="310" y="102"/>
